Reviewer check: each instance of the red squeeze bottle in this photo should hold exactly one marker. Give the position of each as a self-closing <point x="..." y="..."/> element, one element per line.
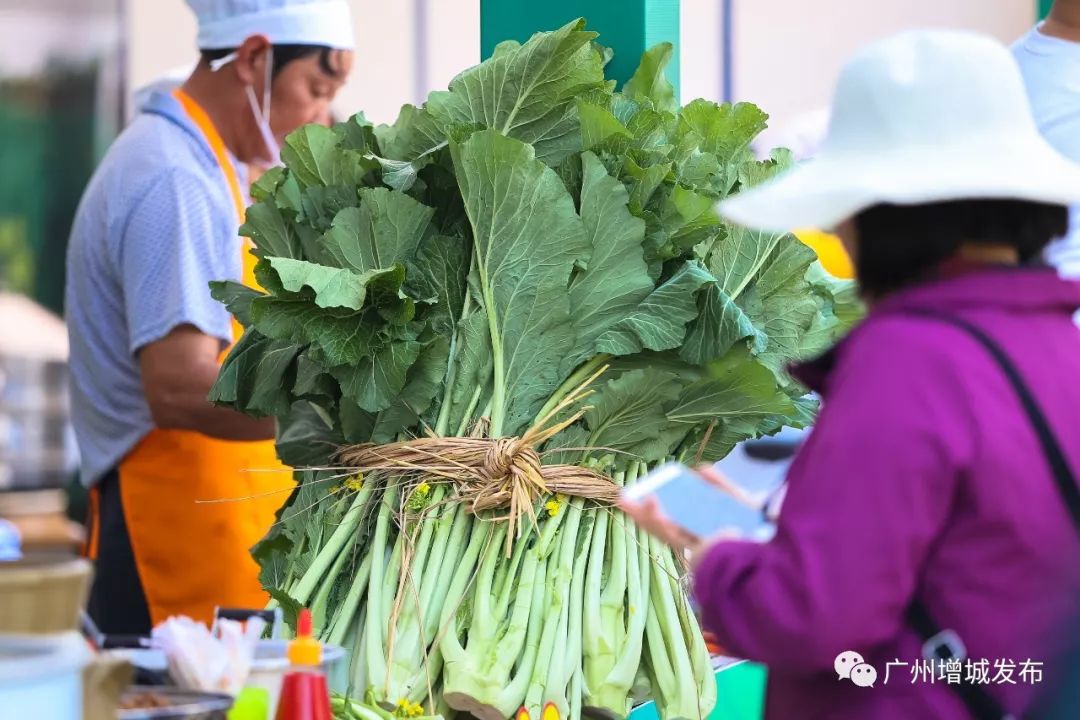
<point x="304" y="692"/>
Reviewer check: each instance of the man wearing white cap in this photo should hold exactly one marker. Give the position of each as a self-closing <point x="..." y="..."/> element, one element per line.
<point x="157" y="223"/>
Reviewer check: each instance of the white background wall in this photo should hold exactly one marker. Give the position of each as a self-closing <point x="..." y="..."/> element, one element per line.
<point x="787" y="58"/>
<point x="702" y="54"/>
<point x="786" y="53"/>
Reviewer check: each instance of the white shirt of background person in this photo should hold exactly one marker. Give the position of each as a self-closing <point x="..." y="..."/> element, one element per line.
<point x="1051" y="70"/>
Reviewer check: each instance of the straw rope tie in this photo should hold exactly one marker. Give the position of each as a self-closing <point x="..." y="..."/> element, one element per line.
<point x="509" y="459"/>
<point x="493" y="473"/>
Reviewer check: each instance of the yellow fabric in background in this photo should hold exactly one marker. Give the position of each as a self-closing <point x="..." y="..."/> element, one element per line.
<point x="830" y="252"/>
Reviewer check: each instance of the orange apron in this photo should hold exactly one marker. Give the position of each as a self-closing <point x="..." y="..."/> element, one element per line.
<point x="193" y="555"/>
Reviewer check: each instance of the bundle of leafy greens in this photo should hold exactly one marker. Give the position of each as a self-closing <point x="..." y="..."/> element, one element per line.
<point x="460" y="273"/>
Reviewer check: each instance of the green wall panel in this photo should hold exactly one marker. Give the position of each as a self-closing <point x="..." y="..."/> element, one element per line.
<point x="628" y="27"/>
<point x="740" y="695"/>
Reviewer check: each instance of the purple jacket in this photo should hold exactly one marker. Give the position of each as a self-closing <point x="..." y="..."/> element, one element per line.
<point x="922" y="477"/>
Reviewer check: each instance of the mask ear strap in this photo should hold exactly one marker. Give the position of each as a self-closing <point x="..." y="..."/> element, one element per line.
<point x="269" y="80"/>
<point x="255" y="109"/>
<point x="221" y="62"/>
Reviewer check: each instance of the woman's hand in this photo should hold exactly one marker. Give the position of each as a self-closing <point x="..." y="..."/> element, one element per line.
<point x="650" y="517"/>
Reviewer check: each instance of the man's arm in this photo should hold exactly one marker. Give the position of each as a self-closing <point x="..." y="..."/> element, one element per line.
<point x="177" y="373"/>
<point x="178" y="238"/>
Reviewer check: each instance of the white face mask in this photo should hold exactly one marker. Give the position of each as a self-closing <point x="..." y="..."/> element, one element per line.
<point x="260" y="111"/>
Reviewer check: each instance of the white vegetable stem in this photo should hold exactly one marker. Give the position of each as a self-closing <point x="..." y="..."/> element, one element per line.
<point x="344" y="532"/>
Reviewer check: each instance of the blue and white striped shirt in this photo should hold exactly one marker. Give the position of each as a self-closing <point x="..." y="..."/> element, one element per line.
<point x="155" y="225"/>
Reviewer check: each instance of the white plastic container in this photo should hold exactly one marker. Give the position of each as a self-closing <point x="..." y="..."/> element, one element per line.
<point x="41" y="677"/>
<point x="270" y="665"/>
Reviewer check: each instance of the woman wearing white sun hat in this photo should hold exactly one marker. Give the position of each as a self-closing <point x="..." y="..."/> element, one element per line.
<point x="934" y="512"/>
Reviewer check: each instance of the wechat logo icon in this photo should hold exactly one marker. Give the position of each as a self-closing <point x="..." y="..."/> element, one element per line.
<point x="850" y="665"/>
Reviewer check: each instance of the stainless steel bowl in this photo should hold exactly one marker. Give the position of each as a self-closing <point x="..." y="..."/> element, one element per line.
<point x="183" y="705"/>
<point x="35" y="431"/>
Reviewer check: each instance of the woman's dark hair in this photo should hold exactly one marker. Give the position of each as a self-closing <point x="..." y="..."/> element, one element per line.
<point x="285" y="54"/>
<point x="902" y="244"/>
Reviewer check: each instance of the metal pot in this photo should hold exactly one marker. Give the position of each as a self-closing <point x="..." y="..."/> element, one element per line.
<point x="36" y="442"/>
<point x="35" y="433"/>
<point x="181" y="705"/>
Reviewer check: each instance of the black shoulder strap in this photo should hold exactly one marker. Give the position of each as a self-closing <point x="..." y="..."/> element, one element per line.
<point x="1059" y="466"/>
<point x="941" y="644"/>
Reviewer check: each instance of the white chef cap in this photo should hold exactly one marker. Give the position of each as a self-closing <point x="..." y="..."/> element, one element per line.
<point x="227" y="23"/>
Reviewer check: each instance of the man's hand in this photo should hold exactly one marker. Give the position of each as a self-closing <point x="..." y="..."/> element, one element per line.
<point x="177" y="374"/>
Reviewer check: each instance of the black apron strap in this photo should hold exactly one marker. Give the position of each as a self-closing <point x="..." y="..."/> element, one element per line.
<point x="940" y="645"/>
<point x="117" y="602"/>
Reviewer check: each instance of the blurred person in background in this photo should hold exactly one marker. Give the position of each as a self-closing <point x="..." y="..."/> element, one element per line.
<point x="934" y="514"/>
<point x="1049" y="59"/>
<point x="156" y="224"/>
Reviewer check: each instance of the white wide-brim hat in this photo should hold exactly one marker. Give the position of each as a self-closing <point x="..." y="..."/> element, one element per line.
<point x="925" y="116"/>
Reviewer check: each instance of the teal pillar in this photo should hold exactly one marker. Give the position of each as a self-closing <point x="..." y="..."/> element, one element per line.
<point x="1044" y="8"/>
<point x="629" y="27"/>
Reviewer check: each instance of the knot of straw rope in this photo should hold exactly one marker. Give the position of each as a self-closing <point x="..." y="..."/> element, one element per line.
<point x="510" y="457"/>
<point x="488" y="473"/>
<point x="491" y="473"/>
<point x="501" y="474"/>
